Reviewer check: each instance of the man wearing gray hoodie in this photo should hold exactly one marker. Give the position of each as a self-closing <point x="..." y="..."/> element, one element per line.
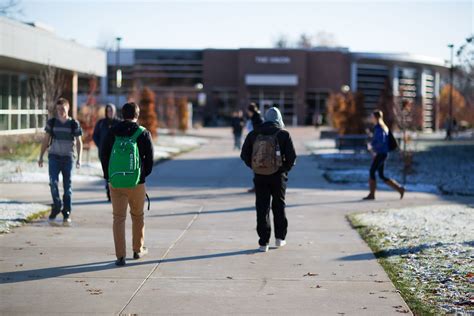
<point x="269" y="152"/>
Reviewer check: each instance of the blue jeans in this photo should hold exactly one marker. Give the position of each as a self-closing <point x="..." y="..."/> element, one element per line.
<point x="60" y="164"/>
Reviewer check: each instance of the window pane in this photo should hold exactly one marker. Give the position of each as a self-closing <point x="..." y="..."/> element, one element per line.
<point x="42" y="120"/>
<point x="24" y="91"/>
<point x="14" y="91"/>
<point x="3" y="122"/>
<point x="14" y="121"/>
<point x="33" y="121"/>
<point x="24" y="121"/>
<point x="4" y="91"/>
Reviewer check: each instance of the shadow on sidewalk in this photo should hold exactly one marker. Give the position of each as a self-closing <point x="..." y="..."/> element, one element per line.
<point x="56" y="272"/>
<point x="233" y="210"/>
<point x="399" y="251"/>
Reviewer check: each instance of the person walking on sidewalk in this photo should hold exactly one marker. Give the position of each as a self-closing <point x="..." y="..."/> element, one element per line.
<point x="237" y="123"/>
<point x="127" y="159"/>
<point x="254" y="121"/>
<point x="62" y="132"/>
<point x="380" y="147"/>
<point x="269" y="152"/>
<point x="101" y="130"/>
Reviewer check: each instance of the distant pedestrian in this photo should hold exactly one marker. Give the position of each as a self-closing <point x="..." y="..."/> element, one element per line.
<point x="237" y="123"/>
<point x="127" y="159"/>
<point x="380" y="147"/>
<point x="269" y="152"/>
<point x="62" y="133"/>
<point x="254" y="121"/>
<point x="100" y="133"/>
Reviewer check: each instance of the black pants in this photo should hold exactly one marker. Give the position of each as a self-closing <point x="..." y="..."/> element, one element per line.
<point x="270" y="188"/>
<point x="378" y="164"/>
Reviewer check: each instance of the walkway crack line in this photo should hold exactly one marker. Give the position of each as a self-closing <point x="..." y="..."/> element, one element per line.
<point x="155" y="267"/>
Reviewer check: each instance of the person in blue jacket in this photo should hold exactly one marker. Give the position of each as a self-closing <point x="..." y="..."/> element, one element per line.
<point x="379" y="148"/>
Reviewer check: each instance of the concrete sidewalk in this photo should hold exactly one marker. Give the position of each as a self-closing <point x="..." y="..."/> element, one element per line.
<point x="202" y="241"/>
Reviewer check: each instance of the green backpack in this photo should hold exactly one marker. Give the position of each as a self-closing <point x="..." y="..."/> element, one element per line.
<point x="125" y="163"/>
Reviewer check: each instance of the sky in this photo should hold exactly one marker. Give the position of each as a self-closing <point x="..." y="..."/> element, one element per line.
<point x="417" y="27"/>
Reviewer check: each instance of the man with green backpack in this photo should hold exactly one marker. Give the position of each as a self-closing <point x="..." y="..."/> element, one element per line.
<point x="127" y="159"/>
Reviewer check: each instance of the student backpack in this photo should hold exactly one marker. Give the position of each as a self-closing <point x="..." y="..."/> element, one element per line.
<point x="125" y="164"/>
<point x="266" y="155"/>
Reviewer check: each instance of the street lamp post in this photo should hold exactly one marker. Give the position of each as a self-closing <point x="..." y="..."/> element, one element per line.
<point x="451" y="75"/>
<point x="118" y="74"/>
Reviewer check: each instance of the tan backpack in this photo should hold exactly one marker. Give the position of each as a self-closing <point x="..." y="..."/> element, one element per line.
<point x="266" y="155"/>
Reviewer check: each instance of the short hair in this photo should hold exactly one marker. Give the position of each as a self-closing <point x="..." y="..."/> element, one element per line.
<point x="130" y="111"/>
<point x="63" y="102"/>
<point x="377" y="114"/>
<point x="252" y="107"/>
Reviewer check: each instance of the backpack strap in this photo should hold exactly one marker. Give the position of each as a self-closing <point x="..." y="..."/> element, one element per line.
<point x="137" y="133"/>
<point x="53" y="121"/>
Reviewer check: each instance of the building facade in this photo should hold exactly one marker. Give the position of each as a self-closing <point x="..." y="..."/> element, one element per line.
<point x="298" y="81"/>
<point x="25" y="51"/>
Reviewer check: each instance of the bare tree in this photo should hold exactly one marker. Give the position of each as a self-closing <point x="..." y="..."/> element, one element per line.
<point x="325" y="39"/>
<point x="10" y="8"/>
<point x="47" y="88"/>
<point x="281" y="41"/>
<point x="305" y="41"/>
<point x="465" y="70"/>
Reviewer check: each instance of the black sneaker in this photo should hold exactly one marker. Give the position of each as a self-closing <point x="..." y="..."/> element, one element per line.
<point x="138" y="255"/>
<point x="120" y="262"/>
<point x="52" y="218"/>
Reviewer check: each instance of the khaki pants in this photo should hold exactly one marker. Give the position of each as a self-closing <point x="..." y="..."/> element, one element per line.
<point x="121" y="198"/>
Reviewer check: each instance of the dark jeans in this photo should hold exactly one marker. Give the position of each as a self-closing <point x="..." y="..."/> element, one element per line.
<point x="63" y="165"/>
<point x="378" y="164"/>
<point x="237" y="141"/>
<point x="270" y="188"/>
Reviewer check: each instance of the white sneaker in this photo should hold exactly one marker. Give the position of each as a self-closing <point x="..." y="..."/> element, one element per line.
<point x="263" y="248"/>
<point x="280" y="243"/>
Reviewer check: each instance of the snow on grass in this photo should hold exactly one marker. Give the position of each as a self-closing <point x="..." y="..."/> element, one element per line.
<point x="21" y="171"/>
<point x="430" y="248"/>
<point x="13" y="214"/>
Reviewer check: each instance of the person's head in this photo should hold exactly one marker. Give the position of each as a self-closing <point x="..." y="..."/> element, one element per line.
<point x="240" y="113"/>
<point x="274" y="115"/>
<point x="377" y="116"/>
<point x="252" y="109"/>
<point x="62" y="108"/>
<point x="130" y="111"/>
<point x="110" y="111"/>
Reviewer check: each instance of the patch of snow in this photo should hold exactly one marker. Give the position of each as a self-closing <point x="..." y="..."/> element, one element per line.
<point x="434" y="248"/>
<point x="13" y="214"/>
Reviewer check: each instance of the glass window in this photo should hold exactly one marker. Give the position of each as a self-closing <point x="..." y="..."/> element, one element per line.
<point x="15" y="89"/>
<point x="14" y="118"/>
<point x="33" y="120"/>
<point x="24" y="121"/>
<point x="3" y="122"/>
<point x="42" y="120"/>
<point x="24" y="91"/>
<point x="4" y="91"/>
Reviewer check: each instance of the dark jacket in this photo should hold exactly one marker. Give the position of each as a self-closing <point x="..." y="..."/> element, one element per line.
<point x="144" y="143"/>
<point x="237" y="125"/>
<point x="284" y="140"/>
<point x="257" y="120"/>
<point x="380" y="140"/>
<point x="101" y="130"/>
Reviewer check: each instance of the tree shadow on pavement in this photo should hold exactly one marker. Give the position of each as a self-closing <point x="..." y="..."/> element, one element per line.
<point x="56" y="272"/>
<point x="398" y="251"/>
